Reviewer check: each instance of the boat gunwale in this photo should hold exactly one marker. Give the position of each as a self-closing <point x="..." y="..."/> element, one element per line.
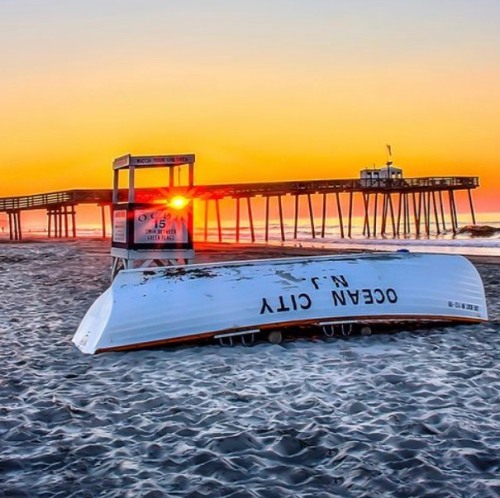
<point x="362" y="320"/>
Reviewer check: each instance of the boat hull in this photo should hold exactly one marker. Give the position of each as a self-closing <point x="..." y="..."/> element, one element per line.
<point x="147" y="307"/>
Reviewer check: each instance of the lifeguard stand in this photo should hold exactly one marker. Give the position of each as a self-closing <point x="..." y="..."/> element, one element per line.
<point x="152" y="226"/>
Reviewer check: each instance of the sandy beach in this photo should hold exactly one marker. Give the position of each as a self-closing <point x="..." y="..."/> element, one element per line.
<point x="411" y="413"/>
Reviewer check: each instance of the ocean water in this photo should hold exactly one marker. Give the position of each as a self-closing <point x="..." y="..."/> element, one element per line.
<point x="445" y="242"/>
<point x="409" y="413"/>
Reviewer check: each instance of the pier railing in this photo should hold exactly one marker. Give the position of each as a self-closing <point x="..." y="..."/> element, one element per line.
<point x="67" y="197"/>
<point x="340" y="186"/>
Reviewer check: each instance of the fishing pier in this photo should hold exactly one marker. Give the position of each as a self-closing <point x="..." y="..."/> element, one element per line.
<point x="391" y="206"/>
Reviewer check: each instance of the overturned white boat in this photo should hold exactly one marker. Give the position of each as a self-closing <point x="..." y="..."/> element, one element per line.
<point x="149" y="307"/>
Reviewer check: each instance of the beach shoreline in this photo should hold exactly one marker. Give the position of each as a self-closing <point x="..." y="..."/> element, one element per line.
<point x="225" y="251"/>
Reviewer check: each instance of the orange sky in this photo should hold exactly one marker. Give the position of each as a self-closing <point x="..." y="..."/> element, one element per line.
<point x="259" y="93"/>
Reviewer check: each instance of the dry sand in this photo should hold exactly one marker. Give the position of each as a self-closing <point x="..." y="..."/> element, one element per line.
<point x="415" y="413"/>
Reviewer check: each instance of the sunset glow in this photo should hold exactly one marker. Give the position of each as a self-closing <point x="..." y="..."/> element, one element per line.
<point x="259" y="91"/>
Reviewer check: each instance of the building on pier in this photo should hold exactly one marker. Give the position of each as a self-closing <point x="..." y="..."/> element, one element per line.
<point x="371" y="176"/>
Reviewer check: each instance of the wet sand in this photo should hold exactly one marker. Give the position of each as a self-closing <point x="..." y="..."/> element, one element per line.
<point x="412" y="413"/>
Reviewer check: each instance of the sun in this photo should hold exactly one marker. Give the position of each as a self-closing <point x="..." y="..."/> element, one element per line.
<point x="178" y="202"/>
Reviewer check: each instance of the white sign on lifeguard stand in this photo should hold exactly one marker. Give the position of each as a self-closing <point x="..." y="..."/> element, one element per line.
<point x="152" y="226"/>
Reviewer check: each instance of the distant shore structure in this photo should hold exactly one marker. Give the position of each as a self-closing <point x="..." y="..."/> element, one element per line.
<point x="389" y="203"/>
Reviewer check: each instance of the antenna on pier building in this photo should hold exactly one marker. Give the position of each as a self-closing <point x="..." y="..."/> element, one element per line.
<point x="152" y="226"/>
<point x="389" y="155"/>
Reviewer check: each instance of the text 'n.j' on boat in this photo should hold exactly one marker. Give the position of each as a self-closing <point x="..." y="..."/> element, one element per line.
<point x="155" y="306"/>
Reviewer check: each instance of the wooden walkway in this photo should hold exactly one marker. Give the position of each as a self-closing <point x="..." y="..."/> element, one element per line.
<point x="399" y="206"/>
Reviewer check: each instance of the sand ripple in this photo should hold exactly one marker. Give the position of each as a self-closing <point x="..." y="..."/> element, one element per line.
<point x="415" y="413"/>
